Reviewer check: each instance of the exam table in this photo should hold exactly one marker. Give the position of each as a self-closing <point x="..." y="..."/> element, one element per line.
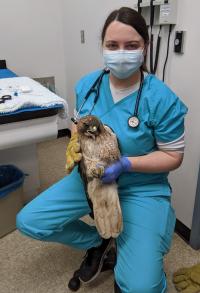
<point x="20" y="131"/>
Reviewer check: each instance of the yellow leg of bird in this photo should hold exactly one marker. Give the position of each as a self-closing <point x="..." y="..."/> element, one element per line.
<point x="98" y="171"/>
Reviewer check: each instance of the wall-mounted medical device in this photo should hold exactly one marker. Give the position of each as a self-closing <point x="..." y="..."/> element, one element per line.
<point x="165" y="11"/>
<point x="179" y="42"/>
<point x="157" y="13"/>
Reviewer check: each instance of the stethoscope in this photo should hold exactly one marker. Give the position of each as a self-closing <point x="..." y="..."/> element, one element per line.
<point x="133" y="121"/>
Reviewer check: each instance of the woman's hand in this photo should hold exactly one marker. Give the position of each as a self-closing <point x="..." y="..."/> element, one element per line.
<point x="73" y="153"/>
<point x="113" y="171"/>
<point x="155" y="162"/>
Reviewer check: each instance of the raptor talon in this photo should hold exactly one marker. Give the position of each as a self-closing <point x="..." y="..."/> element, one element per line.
<point x="98" y="171"/>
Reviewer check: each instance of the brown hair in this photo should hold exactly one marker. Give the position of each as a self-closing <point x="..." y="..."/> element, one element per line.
<point x="130" y="17"/>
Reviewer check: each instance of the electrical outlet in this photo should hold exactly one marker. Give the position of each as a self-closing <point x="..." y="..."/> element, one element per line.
<point x="82" y="36"/>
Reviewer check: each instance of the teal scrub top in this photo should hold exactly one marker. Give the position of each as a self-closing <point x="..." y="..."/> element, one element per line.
<point x="161" y="114"/>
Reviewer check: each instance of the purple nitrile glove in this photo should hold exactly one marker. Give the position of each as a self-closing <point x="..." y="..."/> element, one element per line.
<point x="113" y="171"/>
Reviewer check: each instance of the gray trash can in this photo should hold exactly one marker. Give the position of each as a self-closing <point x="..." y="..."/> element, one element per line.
<point x="11" y="197"/>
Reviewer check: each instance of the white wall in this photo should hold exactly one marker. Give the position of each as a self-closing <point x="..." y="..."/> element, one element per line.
<point x="42" y="38"/>
<point x="31" y="39"/>
<point x="182" y="75"/>
<point x="88" y="15"/>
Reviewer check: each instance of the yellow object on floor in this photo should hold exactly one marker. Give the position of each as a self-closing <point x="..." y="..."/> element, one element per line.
<point x="187" y="280"/>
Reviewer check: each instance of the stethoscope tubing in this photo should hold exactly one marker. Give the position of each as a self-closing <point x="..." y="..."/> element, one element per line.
<point x="95" y="88"/>
<point x="139" y="95"/>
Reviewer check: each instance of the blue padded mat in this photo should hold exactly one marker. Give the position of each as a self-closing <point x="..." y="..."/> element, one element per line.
<point x="37" y="111"/>
<point x="31" y="110"/>
<point x="6" y="73"/>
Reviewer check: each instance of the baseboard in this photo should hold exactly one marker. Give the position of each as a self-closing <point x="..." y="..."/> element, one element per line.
<point x="64" y="132"/>
<point x="183" y="231"/>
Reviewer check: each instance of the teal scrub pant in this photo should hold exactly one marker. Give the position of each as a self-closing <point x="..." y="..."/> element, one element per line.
<point x="146" y="237"/>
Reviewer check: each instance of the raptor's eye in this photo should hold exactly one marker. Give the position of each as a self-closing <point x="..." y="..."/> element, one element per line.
<point x="94" y="128"/>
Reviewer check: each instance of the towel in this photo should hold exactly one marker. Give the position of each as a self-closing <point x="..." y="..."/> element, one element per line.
<point x="29" y="94"/>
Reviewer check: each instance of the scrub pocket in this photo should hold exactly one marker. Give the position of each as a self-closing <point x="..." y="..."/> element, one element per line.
<point x="167" y="224"/>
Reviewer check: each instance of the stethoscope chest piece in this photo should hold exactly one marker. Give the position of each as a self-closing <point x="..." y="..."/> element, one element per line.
<point x="133" y="122"/>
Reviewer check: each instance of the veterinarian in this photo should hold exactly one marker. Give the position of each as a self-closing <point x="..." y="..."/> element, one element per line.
<point x="151" y="140"/>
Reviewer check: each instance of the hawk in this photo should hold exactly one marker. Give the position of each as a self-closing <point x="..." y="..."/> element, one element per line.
<point x="99" y="148"/>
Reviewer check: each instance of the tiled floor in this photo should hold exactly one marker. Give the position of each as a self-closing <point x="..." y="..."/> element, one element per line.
<point x="31" y="266"/>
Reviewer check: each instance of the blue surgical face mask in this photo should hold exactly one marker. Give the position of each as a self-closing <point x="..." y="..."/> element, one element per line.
<point x="123" y="63"/>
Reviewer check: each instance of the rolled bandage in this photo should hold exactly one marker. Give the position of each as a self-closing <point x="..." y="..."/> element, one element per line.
<point x="25" y="89"/>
